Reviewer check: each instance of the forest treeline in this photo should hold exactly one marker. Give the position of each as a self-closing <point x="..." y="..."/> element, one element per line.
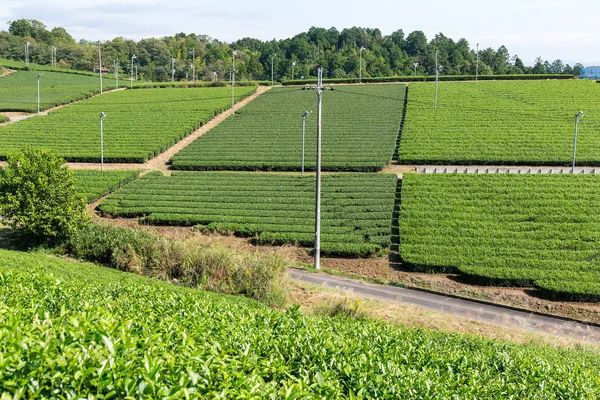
<point x="338" y="52"/>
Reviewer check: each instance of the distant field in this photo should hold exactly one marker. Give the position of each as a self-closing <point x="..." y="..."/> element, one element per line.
<point x="277" y="209"/>
<point x="14" y="64"/>
<point x="360" y="130"/>
<point x="95" y="184"/>
<point x="139" y="124"/>
<point x="509" y="122"/>
<point x="18" y="91"/>
<point x="526" y="230"/>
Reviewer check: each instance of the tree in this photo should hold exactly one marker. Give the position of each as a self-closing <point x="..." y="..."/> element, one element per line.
<point x="39" y="197"/>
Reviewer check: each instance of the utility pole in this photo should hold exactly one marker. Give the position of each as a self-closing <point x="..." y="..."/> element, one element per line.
<point x="233" y="71"/>
<point x="293" y="65"/>
<point x="304" y="115"/>
<point x="53" y="57"/>
<point x="38" y="87"/>
<point x="117" y="73"/>
<point x="193" y="64"/>
<point x="437" y="74"/>
<point x="317" y="250"/>
<point x="136" y="75"/>
<point x="578" y="116"/>
<point x="477" y="65"/>
<point x="100" y="64"/>
<point x="272" y="59"/>
<point x="172" y="70"/>
<point x="360" y="66"/>
<point x="133" y="57"/>
<point x="102" y="115"/>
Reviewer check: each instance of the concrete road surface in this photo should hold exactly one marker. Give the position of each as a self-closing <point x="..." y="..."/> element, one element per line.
<point x="465" y="308"/>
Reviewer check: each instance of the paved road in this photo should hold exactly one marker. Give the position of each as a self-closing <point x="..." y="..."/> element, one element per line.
<point x="464" y="308"/>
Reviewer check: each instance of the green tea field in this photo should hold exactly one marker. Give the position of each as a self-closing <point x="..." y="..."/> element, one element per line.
<point x="139" y="124"/>
<point x="360" y="131"/>
<point x="524" y="230"/>
<point x="87" y="331"/>
<point x="501" y="122"/>
<point x="357" y="209"/>
<point x="18" y="91"/>
<point x="94" y="184"/>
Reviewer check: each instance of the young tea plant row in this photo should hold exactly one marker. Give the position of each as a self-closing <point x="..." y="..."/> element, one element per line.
<point x="360" y="130"/>
<point x="139" y="124"/>
<point x="272" y="208"/>
<point x="507" y="122"/>
<point x="101" y="333"/>
<point x="496" y="229"/>
<point x="94" y="184"/>
<point x="18" y="91"/>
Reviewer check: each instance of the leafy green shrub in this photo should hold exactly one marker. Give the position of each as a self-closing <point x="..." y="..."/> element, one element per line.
<point x="39" y="196"/>
<point x="4" y="119"/>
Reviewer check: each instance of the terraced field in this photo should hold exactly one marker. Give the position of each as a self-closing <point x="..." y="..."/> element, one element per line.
<point x="95" y="184"/>
<point x="525" y="230"/>
<point x="89" y="331"/>
<point x="18" y="91"/>
<point x="139" y="124"/>
<point x="360" y="130"/>
<point x="503" y="122"/>
<point x="273" y="208"/>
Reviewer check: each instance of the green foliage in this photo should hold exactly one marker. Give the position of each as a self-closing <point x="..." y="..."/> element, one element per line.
<point x="139" y="124"/>
<point x="518" y="123"/>
<point x="4" y="119"/>
<point x="185" y="262"/>
<point x="94" y="184"/>
<point x="18" y="91"/>
<point x="38" y="195"/>
<point x="360" y="129"/>
<point x="95" y="332"/>
<point x="494" y="229"/>
<point x="272" y="208"/>
<point x="344" y="308"/>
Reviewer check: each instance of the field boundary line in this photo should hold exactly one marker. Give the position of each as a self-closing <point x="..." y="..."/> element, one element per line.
<point x="160" y="162"/>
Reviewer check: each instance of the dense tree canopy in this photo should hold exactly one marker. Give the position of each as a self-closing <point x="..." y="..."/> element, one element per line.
<point x="338" y="52"/>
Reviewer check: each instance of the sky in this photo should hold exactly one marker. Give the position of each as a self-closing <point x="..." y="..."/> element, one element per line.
<point x="551" y="29"/>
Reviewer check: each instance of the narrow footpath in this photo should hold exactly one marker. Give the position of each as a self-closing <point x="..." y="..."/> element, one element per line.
<point x="454" y="306"/>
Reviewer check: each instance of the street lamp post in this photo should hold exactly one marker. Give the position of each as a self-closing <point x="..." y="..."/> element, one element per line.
<point x="38" y="87"/>
<point x="477" y="65"/>
<point x="27" y="44"/>
<point x="304" y="115"/>
<point x="272" y="60"/>
<point x="578" y="116"/>
<point x="437" y="74"/>
<point x="100" y="64"/>
<point x="116" y="70"/>
<point x="131" y="79"/>
<point x="216" y="75"/>
<point x="360" y="66"/>
<point x="193" y="64"/>
<point x="172" y="70"/>
<point x="102" y="115"/>
<point x="415" y="65"/>
<point x="293" y="65"/>
<point x="53" y="57"/>
<point x="233" y="71"/>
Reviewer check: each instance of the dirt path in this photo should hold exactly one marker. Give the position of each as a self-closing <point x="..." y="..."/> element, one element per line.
<point x="160" y="162"/>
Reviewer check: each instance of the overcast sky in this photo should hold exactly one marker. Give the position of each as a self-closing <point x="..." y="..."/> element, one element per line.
<point x="529" y="28"/>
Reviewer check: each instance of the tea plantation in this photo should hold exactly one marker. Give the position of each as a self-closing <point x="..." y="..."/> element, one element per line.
<point x="274" y="208"/>
<point x="81" y="331"/>
<point x="139" y="124"/>
<point x="501" y="122"/>
<point x="360" y="131"/>
<point x="94" y="184"/>
<point x="524" y="230"/>
<point x="18" y="91"/>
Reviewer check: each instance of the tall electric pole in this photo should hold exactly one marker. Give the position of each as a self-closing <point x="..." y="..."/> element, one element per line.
<point x="116" y="71"/>
<point x="233" y="71"/>
<point x="477" y="65"/>
<point x="272" y="60"/>
<point x="172" y="70"/>
<point x="100" y="64"/>
<point x="133" y="57"/>
<point x="193" y="64"/>
<point x="360" y="66"/>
